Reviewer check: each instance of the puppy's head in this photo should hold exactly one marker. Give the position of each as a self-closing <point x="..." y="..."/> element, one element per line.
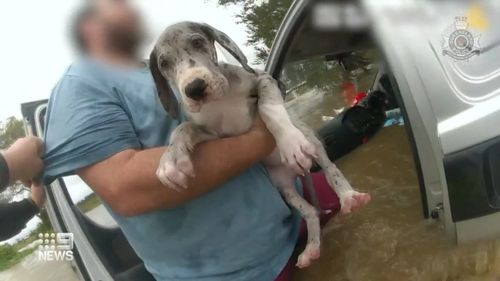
<point x="185" y="55"/>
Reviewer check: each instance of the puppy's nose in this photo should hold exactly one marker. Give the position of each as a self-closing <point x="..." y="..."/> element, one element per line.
<point x="196" y="89"/>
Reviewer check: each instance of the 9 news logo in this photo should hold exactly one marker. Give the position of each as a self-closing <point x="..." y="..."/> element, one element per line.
<point x="55" y="246"/>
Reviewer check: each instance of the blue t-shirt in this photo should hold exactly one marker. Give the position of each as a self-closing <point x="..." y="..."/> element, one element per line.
<point x="242" y="230"/>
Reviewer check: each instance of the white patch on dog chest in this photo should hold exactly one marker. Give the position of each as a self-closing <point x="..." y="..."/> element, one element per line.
<point x="229" y="116"/>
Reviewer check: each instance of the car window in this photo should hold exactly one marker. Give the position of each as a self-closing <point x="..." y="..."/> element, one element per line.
<point x="319" y="88"/>
<point x="88" y="202"/>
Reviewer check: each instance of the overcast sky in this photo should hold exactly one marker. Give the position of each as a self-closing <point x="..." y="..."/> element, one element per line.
<point x="35" y="49"/>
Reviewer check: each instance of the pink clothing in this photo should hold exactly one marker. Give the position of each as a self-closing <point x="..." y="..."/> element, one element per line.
<point x="328" y="201"/>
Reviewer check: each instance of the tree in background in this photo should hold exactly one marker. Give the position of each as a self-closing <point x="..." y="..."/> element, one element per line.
<point x="262" y="19"/>
<point x="10" y="130"/>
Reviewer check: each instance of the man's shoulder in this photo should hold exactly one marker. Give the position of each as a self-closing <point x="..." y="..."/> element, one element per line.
<point x="90" y="72"/>
<point x="82" y="78"/>
<point x="83" y="70"/>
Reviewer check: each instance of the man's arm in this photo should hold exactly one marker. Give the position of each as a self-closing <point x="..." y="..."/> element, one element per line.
<point x="128" y="183"/>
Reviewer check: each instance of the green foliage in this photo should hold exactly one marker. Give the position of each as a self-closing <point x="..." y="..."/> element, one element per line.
<point x="45" y="226"/>
<point x="263" y="19"/>
<point x="10" y="130"/>
<point x="9" y="256"/>
<point x="328" y="75"/>
<point x="312" y="73"/>
<point x="89" y="203"/>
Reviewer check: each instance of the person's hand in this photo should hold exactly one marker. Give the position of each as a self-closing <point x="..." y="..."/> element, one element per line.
<point x="38" y="194"/>
<point x="24" y="159"/>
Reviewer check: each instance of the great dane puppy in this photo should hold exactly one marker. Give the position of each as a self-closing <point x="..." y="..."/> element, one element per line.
<point x="222" y="100"/>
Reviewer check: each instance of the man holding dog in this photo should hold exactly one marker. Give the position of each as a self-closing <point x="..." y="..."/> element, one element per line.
<point x="106" y="124"/>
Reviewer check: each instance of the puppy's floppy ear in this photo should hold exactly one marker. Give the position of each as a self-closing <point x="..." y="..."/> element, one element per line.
<point x="165" y="93"/>
<point x="228" y="44"/>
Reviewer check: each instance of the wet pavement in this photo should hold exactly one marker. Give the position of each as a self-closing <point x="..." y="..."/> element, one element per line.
<point x="32" y="269"/>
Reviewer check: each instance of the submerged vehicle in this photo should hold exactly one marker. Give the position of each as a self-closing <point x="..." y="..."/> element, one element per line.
<point x="427" y="64"/>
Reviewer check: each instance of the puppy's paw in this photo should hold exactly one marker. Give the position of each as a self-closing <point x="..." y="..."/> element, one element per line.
<point x="297" y="152"/>
<point x="175" y="169"/>
<point x="309" y="255"/>
<point x="351" y="200"/>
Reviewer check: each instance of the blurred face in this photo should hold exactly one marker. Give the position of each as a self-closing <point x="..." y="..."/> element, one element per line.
<point x="120" y="23"/>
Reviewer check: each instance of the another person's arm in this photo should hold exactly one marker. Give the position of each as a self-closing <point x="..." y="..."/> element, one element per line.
<point x="20" y="162"/>
<point x="127" y="180"/>
<point x="15" y="215"/>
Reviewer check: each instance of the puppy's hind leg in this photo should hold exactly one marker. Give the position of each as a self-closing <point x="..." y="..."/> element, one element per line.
<point x="283" y="178"/>
<point x="350" y="199"/>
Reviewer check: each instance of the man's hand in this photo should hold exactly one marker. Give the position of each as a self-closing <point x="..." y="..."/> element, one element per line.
<point x="24" y="159"/>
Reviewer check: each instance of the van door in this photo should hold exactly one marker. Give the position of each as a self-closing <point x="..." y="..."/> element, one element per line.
<point x="101" y="251"/>
<point x="446" y="68"/>
<point x="405" y="49"/>
<point x="86" y="263"/>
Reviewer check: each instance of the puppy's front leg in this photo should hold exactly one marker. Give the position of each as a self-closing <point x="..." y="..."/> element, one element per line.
<point x="295" y="150"/>
<point x="175" y="164"/>
<point x="350" y="199"/>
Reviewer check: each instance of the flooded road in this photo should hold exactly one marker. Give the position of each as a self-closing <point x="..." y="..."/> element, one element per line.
<point x="389" y="239"/>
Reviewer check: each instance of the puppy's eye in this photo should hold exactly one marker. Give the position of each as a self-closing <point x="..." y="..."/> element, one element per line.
<point x="164" y="63"/>
<point x="198" y="42"/>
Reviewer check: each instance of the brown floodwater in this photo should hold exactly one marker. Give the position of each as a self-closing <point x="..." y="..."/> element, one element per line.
<point x="389" y="239"/>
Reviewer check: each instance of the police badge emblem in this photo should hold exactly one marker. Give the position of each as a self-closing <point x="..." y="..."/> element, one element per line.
<point x="459" y="42"/>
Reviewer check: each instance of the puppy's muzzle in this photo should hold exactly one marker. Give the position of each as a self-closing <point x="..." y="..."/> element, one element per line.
<point x="195" y="90"/>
